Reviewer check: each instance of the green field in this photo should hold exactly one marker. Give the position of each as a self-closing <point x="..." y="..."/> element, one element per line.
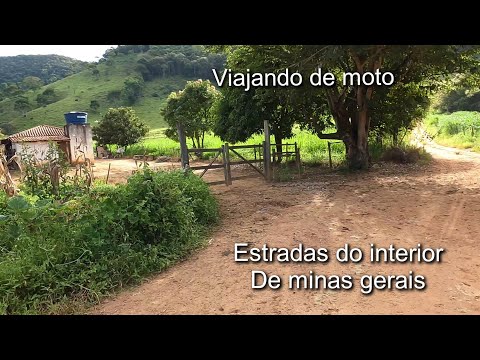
<point x="460" y="129"/>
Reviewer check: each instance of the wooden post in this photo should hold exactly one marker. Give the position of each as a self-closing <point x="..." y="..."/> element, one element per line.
<point x="297" y="158"/>
<point x="183" y="146"/>
<point x="329" y="155"/>
<point x="108" y="173"/>
<point x="264" y="158"/>
<point x="267" y="159"/>
<point x="224" y="161"/>
<point x="227" y="164"/>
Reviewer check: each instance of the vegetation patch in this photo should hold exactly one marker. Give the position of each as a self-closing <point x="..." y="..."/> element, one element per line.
<point x="56" y="253"/>
<point x="460" y="129"/>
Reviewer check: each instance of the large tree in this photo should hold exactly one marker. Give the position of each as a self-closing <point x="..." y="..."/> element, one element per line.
<point x="349" y="105"/>
<point x="119" y="126"/>
<point x="192" y="108"/>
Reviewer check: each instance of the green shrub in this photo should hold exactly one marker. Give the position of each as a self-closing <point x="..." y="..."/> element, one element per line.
<point x="53" y="254"/>
<point x="452" y="127"/>
<point x="199" y="197"/>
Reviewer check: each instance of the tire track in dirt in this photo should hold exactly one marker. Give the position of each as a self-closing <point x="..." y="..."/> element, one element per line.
<point x="437" y="205"/>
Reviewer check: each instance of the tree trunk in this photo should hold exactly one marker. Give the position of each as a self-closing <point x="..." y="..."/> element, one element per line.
<point x="193" y="143"/>
<point x="358" y="156"/>
<point x="349" y="108"/>
<point x="278" y="147"/>
<point x="395" y="137"/>
<point x="197" y="138"/>
<point x="357" y="143"/>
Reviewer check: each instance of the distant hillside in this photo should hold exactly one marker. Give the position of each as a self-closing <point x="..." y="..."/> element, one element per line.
<point x="141" y="76"/>
<point x="49" y="68"/>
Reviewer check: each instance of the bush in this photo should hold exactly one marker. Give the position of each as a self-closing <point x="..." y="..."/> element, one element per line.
<point x="53" y="255"/>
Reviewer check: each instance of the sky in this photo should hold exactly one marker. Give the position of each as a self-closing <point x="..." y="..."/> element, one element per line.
<point x="80" y="52"/>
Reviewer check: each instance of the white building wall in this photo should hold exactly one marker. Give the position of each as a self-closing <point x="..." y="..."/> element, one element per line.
<point x="38" y="149"/>
<point x="81" y="143"/>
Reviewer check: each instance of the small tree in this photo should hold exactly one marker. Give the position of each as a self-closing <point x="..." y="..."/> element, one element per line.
<point x="191" y="107"/>
<point x="22" y="105"/>
<point x="49" y="96"/>
<point x="96" y="73"/>
<point x="119" y="126"/>
<point x="133" y="89"/>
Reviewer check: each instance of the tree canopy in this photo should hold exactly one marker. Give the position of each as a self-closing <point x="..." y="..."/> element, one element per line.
<point x="191" y="107"/>
<point x="357" y="107"/>
<point x="170" y="60"/>
<point x="119" y="126"/>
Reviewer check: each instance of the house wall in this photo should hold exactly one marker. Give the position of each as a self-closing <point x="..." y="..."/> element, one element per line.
<point x="81" y="142"/>
<point x="38" y="149"/>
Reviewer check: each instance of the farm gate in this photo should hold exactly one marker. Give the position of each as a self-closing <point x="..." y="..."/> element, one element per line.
<point x="258" y="157"/>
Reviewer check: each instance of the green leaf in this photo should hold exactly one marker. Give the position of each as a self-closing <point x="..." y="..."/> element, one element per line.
<point x="18" y="203"/>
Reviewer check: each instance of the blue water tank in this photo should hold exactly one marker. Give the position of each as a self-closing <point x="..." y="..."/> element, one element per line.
<point x="75" y="117"/>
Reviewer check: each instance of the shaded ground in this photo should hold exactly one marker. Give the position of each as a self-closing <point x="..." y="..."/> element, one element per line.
<point x="437" y="205"/>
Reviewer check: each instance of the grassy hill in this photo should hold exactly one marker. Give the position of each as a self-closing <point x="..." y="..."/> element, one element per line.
<point x="76" y="92"/>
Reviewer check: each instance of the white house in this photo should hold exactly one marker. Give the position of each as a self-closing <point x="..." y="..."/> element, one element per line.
<point x="75" y="140"/>
<point x="35" y="141"/>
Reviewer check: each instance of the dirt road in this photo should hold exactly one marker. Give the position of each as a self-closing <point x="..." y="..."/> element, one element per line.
<point x="436" y="205"/>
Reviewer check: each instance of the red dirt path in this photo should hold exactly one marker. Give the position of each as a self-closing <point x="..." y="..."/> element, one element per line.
<point x="437" y="205"/>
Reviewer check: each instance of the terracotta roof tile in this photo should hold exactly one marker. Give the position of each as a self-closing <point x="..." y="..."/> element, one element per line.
<point x="40" y="133"/>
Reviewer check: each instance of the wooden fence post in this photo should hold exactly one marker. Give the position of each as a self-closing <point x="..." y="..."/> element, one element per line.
<point x="227" y="164"/>
<point x="297" y="158"/>
<point x="224" y="161"/>
<point x="183" y="146"/>
<point x="108" y="173"/>
<point x="266" y="146"/>
<point x="329" y="155"/>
